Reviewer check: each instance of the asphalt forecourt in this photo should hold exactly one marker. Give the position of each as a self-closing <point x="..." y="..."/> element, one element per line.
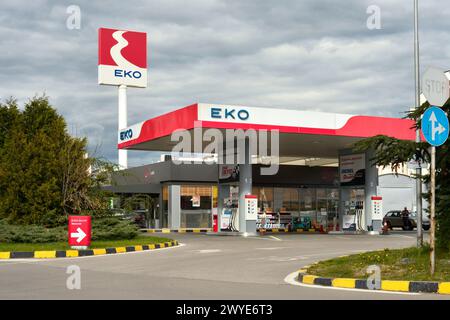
<point x="401" y="270"/>
<point x="59" y="250"/>
<point x="244" y="268"/>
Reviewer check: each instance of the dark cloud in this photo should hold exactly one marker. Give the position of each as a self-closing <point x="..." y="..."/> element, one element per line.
<point x="309" y="54"/>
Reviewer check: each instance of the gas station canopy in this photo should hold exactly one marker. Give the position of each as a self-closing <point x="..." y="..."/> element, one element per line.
<point x="304" y="135"/>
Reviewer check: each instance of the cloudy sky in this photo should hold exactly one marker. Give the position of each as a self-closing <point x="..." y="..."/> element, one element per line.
<point x="303" y="54"/>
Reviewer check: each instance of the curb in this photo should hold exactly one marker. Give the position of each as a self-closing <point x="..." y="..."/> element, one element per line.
<point x="82" y="253"/>
<point x="200" y="230"/>
<point x="386" y="285"/>
<point x="193" y="230"/>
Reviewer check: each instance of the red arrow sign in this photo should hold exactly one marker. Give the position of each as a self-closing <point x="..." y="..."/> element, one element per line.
<point x="79" y="230"/>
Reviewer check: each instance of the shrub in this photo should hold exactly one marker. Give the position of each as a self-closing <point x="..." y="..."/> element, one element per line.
<point x="113" y="229"/>
<point x="102" y="229"/>
<point x="30" y="234"/>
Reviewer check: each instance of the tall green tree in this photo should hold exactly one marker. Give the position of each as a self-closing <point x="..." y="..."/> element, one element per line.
<point x="395" y="153"/>
<point x="45" y="173"/>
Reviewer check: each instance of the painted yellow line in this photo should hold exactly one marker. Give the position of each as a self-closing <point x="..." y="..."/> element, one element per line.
<point x="138" y="248"/>
<point x="390" y="285"/>
<point x="196" y="230"/>
<point x="151" y="230"/>
<point x="121" y="250"/>
<point x="99" y="251"/>
<point x="182" y="231"/>
<point x="312" y="230"/>
<point x="444" y="288"/>
<point x="302" y="271"/>
<point x="309" y="279"/>
<point x="5" y="255"/>
<point x="162" y="245"/>
<point x="44" y="254"/>
<point x="165" y="230"/>
<point x="151" y="246"/>
<point x="343" y="283"/>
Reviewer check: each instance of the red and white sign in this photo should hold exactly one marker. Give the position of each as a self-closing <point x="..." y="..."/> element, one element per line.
<point x="122" y="57"/>
<point x="80" y="231"/>
<point x="251" y="207"/>
<point x="377" y="207"/>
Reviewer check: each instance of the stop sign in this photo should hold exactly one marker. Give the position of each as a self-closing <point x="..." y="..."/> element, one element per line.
<point x="435" y="86"/>
<point x="79" y="231"/>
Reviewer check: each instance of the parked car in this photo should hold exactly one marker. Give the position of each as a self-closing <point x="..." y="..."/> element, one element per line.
<point x="394" y="220"/>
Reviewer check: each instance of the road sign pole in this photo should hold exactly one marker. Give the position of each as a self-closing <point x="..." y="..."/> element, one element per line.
<point x="417" y="99"/>
<point x="432" y="210"/>
<point x="122" y="93"/>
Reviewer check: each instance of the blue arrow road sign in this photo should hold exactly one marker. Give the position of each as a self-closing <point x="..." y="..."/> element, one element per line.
<point x="435" y="126"/>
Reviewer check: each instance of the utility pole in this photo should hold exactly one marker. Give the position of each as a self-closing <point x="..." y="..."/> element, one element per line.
<point x="417" y="105"/>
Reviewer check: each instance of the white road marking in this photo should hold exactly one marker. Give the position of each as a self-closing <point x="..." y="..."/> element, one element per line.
<point x="33" y="260"/>
<point x="278" y="259"/>
<point x="265" y="238"/>
<point x="291" y="279"/>
<point x="208" y="251"/>
<point x="278" y="239"/>
<point x="273" y="248"/>
<point x="402" y="236"/>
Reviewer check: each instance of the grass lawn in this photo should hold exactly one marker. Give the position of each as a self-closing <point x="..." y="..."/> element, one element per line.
<point x="140" y="240"/>
<point x="402" y="264"/>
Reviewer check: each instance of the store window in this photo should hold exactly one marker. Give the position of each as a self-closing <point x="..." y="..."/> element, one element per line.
<point x="322" y="206"/>
<point x="286" y="206"/>
<point x="289" y="200"/>
<point x="165" y="207"/>
<point x="333" y="208"/>
<point x="196" y="197"/>
<point x="196" y="206"/>
<point x="265" y="198"/>
<point x="308" y="207"/>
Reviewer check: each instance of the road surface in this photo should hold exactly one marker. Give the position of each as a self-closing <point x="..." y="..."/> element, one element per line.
<point x="205" y="267"/>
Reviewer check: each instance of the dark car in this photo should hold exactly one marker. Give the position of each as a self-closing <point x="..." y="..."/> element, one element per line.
<point x="394" y="220"/>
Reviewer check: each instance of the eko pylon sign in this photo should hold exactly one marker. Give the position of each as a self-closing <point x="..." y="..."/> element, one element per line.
<point x="122" y="57"/>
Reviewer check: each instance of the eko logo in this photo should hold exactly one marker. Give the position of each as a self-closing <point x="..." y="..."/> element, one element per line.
<point x="122" y="57"/>
<point x="229" y="113"/>
<point x="125" y="135"/>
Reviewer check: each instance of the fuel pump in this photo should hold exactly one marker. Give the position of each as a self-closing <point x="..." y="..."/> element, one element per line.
<point x="359" y="215"/>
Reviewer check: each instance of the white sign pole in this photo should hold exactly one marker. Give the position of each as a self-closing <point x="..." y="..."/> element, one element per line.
<point x="432" y="209"/>
<point x="123" y="154"/>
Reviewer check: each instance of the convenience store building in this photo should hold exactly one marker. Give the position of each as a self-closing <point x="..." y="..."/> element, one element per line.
<point x="320" y="182"/>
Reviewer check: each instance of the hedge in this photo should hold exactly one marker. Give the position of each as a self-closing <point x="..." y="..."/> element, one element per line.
<point x="102" y="229"/>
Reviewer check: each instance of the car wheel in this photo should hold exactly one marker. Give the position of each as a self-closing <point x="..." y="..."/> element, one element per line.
<point x="426" y="228"/>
